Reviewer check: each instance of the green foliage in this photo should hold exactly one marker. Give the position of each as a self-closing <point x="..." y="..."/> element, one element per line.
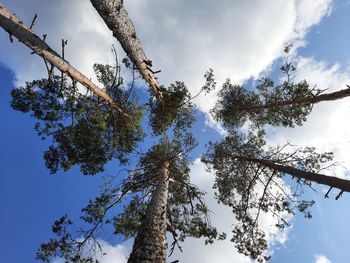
<point x="269" y="103"/>
<point x="187" y="213"/>
<point x="236" y="105"/>
<point x="175" y="109"/>
<point x="84" y="130"/>
<point x="128" y="222"/>
<point x="89" y="133"/>
<point x="210" y="83"/>
<point x="250" y="187"/>
<point x="64" y="246"/>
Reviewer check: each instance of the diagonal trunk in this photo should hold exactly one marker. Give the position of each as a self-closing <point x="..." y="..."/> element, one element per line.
<point x="14" y="26"/>
<point x="310" y="100"/>
<point x="150" y="242"/>
<point x="335" y="182"/>
<point x="117" y="19"/>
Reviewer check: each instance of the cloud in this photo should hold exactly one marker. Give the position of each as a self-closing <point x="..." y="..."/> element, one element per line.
<point x="306" y="17"/>
<point x="89" y="40"/>
<point x="110" y="253"/>
<point x="326" y="127"/>
<point x="115" y="253"/>
<point x="238" y="39"/>
<point x="222" y="218"/>
<point x="322" y="259"/>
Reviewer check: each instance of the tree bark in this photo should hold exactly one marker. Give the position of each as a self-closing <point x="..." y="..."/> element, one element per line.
<point x="310" y="100"/>
<point x="117" y="20"/>
<point x="150" y="242"/>
<point x="15" y="27"/>
<point x="335" y="182"/>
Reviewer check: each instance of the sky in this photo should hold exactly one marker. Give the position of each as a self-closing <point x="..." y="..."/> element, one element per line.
<point x="240" y="40"/>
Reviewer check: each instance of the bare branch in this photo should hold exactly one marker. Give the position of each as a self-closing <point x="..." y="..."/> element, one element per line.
<point x="14" y="26"/>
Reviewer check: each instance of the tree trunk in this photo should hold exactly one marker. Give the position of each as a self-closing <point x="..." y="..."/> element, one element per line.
<point x="150" y="242"/>
<point x="15" y="27"/>
<point x="117" y="19"/>
<point x="310" y="100"/>
<point x="335" y="182"/>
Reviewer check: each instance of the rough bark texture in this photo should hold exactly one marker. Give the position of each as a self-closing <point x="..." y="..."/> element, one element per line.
<point x="150" y="242"/>
<point x="310" y="100"/>
<point x="117" y="19"/>
<point x="331" y="181"/>
<point x="15" y="27"/>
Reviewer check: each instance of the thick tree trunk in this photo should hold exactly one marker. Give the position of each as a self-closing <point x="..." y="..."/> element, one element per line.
<point x="15" y="27"/>
<point x="117" y="19"/>
<point x="335" y="182"/>
<point x="150" y="242"/>
<point x="310" y="100"/>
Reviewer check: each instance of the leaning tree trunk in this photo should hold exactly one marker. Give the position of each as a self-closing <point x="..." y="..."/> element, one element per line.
<point x="150" y="242"/>
<point x="15" y="27"/>
<point x="117" y="19"/>
<point x="300" y="101"/>
<point x="335" y="182"/>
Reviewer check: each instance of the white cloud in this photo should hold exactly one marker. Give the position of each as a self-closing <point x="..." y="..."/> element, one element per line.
<point x="327" y="127"/>
<point x="222" y="218"/>
<point x="238" y="39"/>
<point x="210" y="122"/>
<point x="306" y="16"/>
<point x="115" y="254"/>
<point x="322" y="259"/>
<point x="89" y="40"/>
<point x="118" y="253"/>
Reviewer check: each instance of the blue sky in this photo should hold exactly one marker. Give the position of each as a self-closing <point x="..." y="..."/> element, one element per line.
<point x="31" y="199"/>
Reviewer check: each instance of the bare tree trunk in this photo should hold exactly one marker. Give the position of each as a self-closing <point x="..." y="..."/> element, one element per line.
<point x="117" y="19"/>
<point x="15" y="27"/>
<point x="335" y="182"/>
<point x="310" y="100"/>
<point x="150" y="242"/>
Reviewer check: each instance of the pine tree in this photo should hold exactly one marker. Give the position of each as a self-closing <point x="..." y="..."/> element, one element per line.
<point x="249" y="180"/>
<point x="15" y="27"/>
<point x="157" y="195"/>
<point x="282" y="105"/>
<point x="286" y="104"/>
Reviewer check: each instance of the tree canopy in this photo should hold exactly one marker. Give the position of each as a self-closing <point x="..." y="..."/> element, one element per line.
<point x="89" y="127"/>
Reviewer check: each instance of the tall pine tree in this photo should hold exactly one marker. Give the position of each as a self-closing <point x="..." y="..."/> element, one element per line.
<point x="157" y="195"/>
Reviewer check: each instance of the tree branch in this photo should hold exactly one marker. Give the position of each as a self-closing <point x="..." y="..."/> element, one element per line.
<point x="15" y="27"/>
<point x="117" y="20"/>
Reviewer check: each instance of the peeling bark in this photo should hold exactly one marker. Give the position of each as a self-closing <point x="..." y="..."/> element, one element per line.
<point x="150" y="242"/>
<point x="310" y="100"/>
<point x="117" y="20"/>
<point x="15" y="27"/>
<point x="335" y="182"/>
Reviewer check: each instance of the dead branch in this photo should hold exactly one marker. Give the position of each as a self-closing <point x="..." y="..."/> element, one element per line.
<point x="15" y="27"/>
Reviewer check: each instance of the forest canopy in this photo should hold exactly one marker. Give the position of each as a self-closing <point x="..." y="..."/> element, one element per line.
<point x="148" y="131"/>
